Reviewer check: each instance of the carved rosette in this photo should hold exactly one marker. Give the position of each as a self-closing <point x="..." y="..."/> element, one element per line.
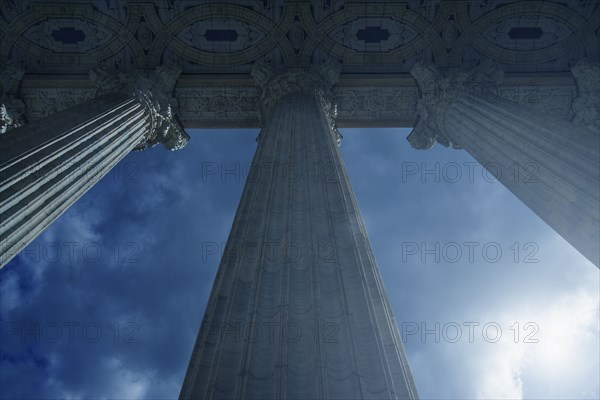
<point x="317" y="81"/>
<point x="12" y="109"/>
<point x="586" y="107"/>
<point x="153" y="90"/>
<point x="439" y="91"/>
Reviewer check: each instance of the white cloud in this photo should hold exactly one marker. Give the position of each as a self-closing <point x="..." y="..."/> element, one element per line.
<point x="547" y="353"/>
<point x="559" y="292"/>
<point x="501" y="374"/>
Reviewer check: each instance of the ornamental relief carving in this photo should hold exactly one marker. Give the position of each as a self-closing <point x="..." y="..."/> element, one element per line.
<point x="527" y="32"/>
<point x="218" y="102"/>
<point x="228" y="106"/>
<point x="317" y="81"/>
<point x="586" y="106"/>
<point x="153" y="90"/>
<point x="221" y="35"/>
<point x="548" y="99"/>
<point x="370" y="103"/>
<point x="373" y="34"/>
<point x="218" y="36"/>
<point x="68" y="35"/>
<point x="12" y="108"/>
<point x="41" y="102"/>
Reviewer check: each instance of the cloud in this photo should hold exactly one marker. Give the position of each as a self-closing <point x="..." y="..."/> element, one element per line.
<point x="537" y="278"/>
<point x="10" y="297"/>
<point x="500" y="375"/>
<point x="154" y="293"/>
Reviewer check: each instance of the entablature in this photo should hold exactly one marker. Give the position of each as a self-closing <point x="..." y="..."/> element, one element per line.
<point x="216" y="102"/>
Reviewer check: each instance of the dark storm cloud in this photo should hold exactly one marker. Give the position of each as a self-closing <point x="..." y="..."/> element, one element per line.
<point x="122" y="265"/>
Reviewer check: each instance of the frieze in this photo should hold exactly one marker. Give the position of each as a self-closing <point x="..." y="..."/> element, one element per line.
<point x="43" y="101"/>
<point x="219" y="105"/>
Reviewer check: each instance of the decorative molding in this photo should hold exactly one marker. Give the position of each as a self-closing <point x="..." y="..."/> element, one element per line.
<point x="228" y="37"/>
<point x="217" y="36"/>
<point x="165" y="128"/>
<point x="586" y="106"/>
<point x="439" y="91"/>
<point x="154" y="91"/>
<point x="233" y="103"/>
<point x="41" y="102"/>
<point x="11" y="115"/>
<point x="68" y="35"/>
<point x="12" y="109"/>
<point x="218" y="105"/>
<point x="365" y="35"/>
<point x="317" y="81"/>
<point x="546" y="98"/>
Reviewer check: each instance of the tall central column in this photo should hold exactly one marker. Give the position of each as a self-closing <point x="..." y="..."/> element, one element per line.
<point x="298" y="309"/>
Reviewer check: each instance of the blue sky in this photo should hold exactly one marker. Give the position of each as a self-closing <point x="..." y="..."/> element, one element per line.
<point x="108" y="301"/>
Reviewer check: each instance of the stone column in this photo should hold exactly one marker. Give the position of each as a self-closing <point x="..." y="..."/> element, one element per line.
<point x="47" y="165"/>
<point x="550" y="164"/>
<point x="298" y="309"/>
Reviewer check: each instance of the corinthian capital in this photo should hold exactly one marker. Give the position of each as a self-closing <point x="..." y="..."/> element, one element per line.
<point x="317" y="81"/>
<point x="155" y="91"/>
<point x="12" y="109"/>
<point x="586" y="107"/>
<point x="438" y="91"/>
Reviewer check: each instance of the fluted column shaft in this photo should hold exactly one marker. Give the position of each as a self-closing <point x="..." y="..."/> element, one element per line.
<point x="550" y="164"/>
<point x="298" y="309"/>
<point x="47" y="165"/>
